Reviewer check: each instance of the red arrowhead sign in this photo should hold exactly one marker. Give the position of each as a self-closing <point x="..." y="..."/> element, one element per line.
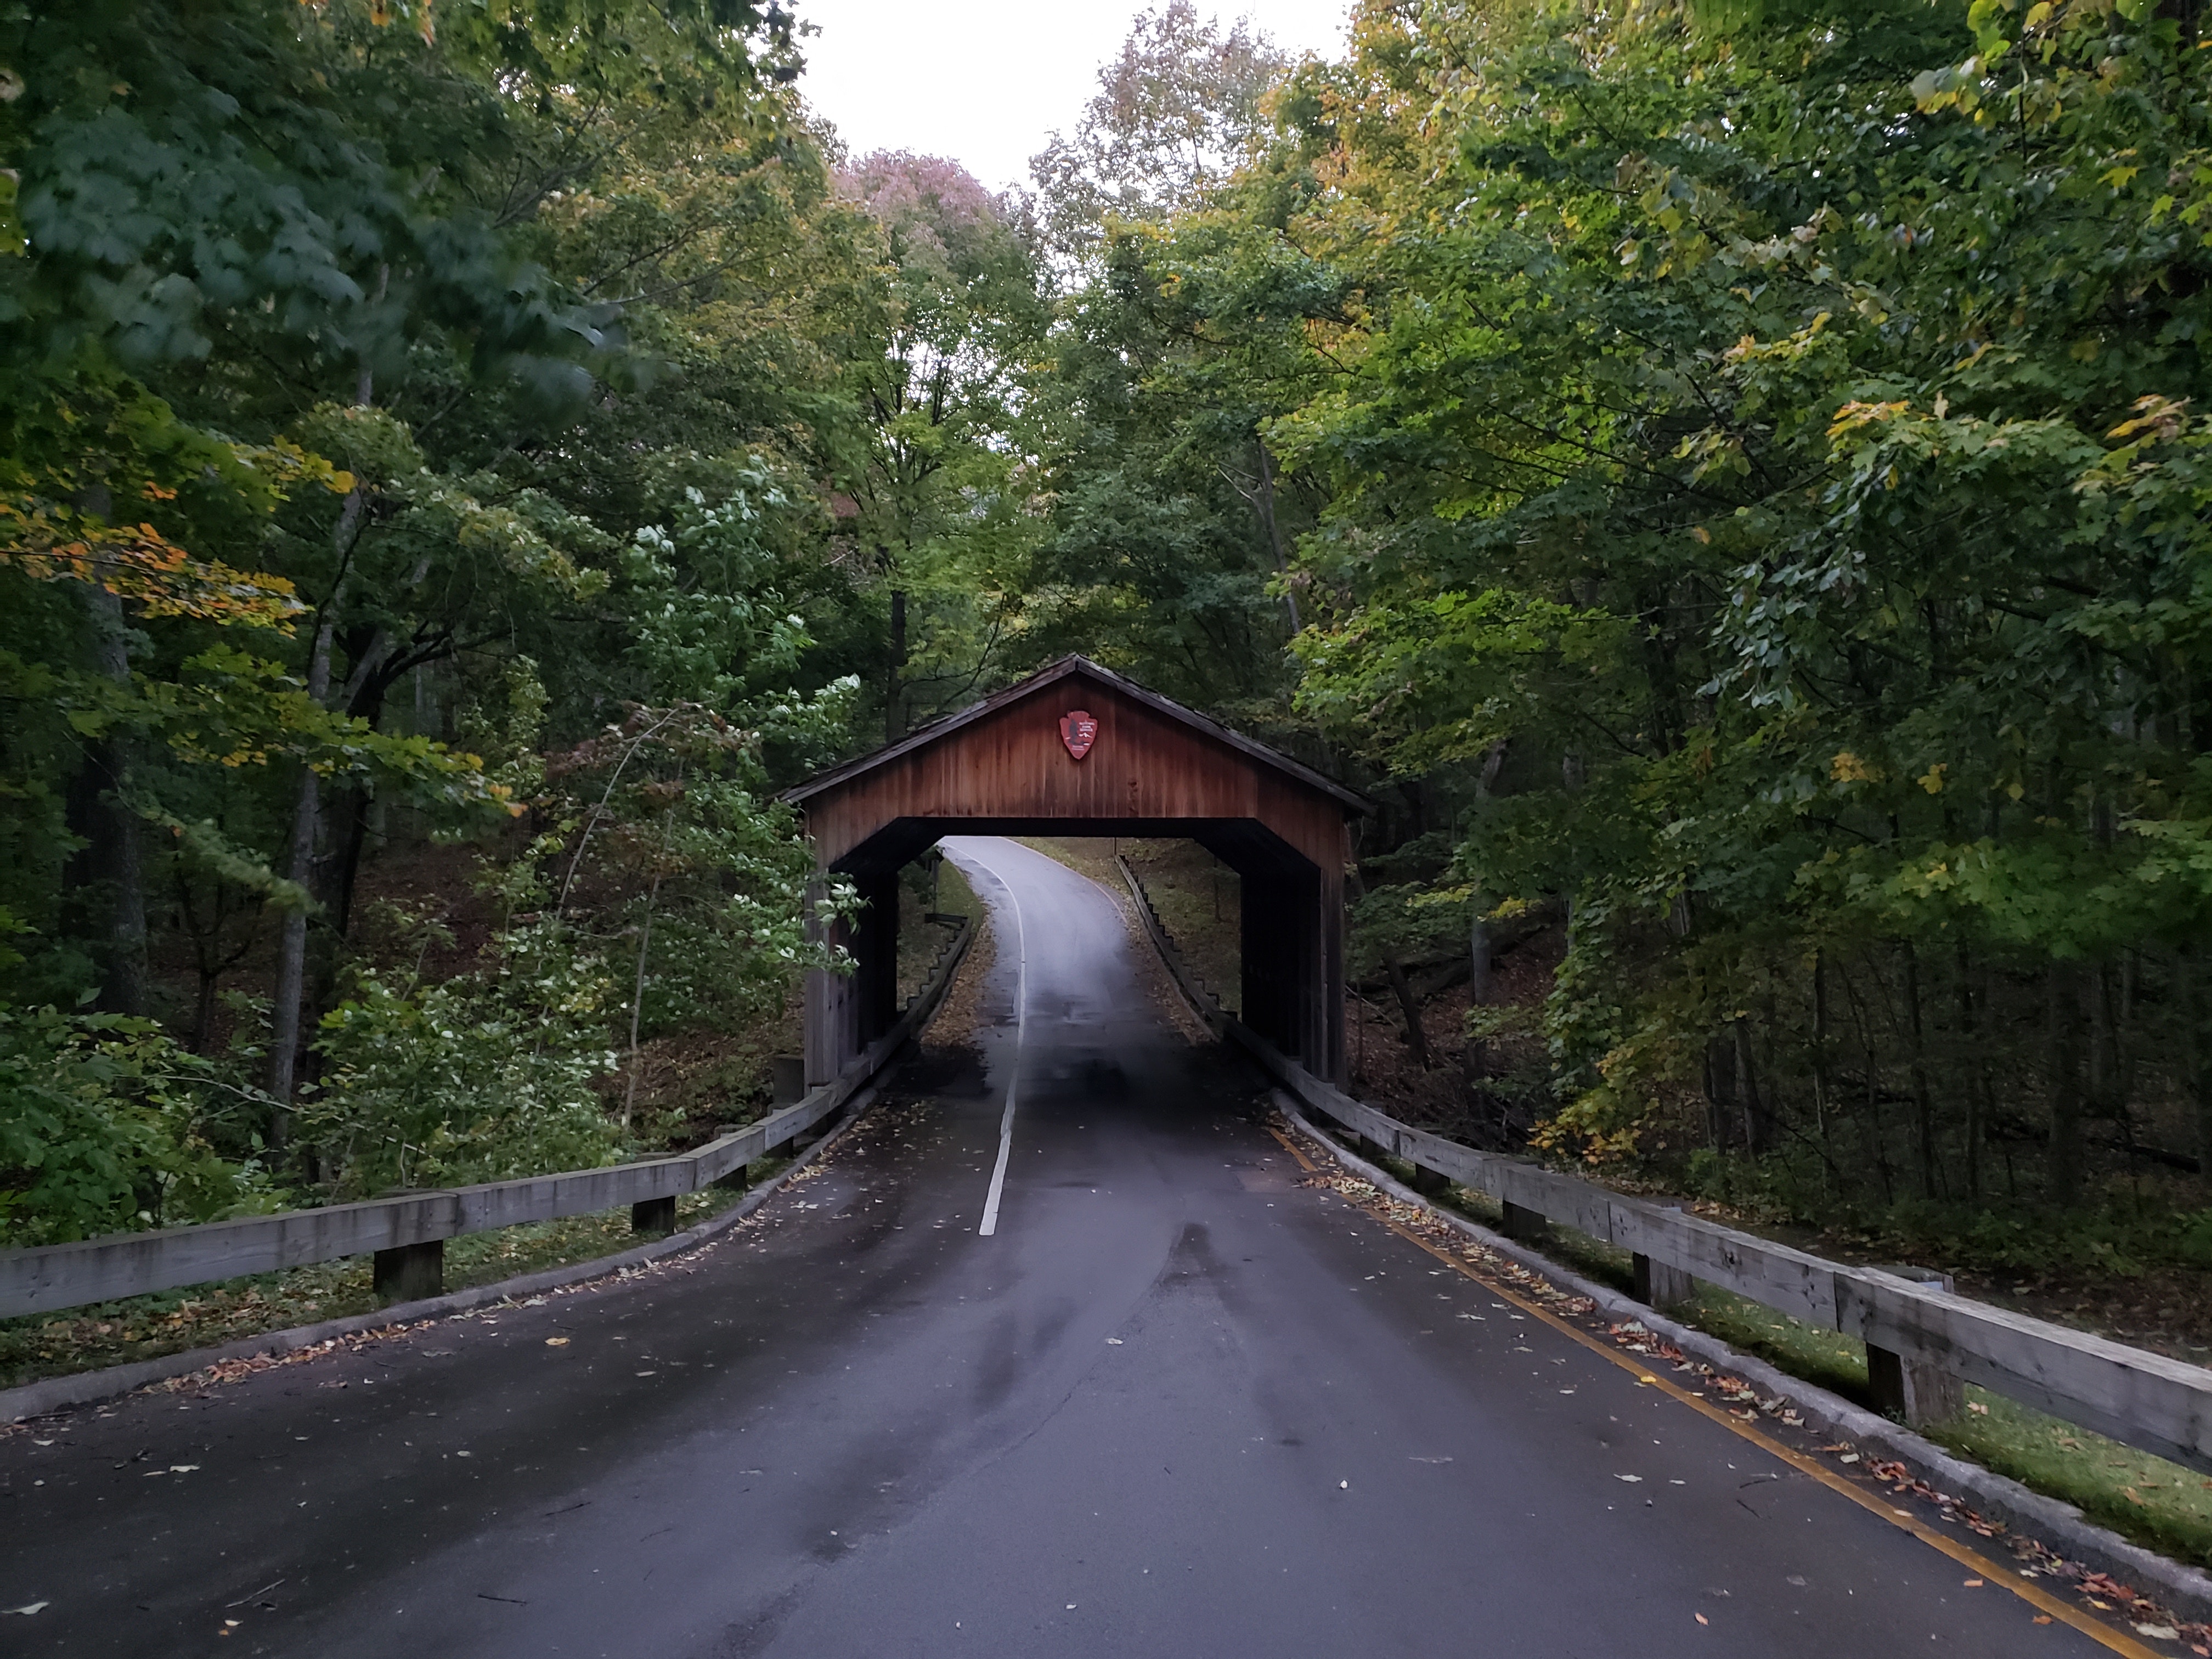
<point x="1079" y="730"/>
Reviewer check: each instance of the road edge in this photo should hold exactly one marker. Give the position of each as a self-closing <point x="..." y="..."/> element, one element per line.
<point x="2185" y="1589"/>
<point x="2065" y="1528"/>
<point x="55" y="1394"/>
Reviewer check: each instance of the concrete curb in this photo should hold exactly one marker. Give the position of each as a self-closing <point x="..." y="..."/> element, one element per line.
<point x="55" y="1394"/>
<point x="2182" y="1588"/>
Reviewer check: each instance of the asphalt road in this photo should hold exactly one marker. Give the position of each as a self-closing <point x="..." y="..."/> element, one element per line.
<point x="1175" y="1405"/>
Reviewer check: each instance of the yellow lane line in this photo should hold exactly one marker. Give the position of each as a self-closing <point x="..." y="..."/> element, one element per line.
<point x="2028" y="1591"/>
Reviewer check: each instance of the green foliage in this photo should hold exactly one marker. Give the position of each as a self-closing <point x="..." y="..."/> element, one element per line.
<point x="390" y="395"/>
<point x="1754" y="469"/>
<point x="107" y="1124"/>
<point x="482" y="1077"/>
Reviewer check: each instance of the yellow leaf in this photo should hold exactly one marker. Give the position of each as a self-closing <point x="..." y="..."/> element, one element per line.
<point x="1847" y="768"/>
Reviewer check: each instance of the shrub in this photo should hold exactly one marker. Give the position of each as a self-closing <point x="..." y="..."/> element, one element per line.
<point x="107" y="1124"/>
<point x="485" y="1077"/>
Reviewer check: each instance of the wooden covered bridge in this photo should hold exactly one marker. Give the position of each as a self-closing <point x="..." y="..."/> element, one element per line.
<point x="1077" y="749"/>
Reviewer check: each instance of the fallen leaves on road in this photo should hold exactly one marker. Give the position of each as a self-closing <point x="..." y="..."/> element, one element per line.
<point x="30" y="1607"/>
<point x="1743" y="1403"/>
<point x="557" y="1341"/>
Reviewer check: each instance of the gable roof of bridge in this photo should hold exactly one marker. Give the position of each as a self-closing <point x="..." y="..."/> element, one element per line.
<point x="1077" y="667"/>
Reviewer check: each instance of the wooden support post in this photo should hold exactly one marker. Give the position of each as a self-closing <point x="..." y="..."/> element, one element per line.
<point x="1661" y="1286"/>
<point x="1430" y="1183"/>
<point x="786" y="1079"/>
<point x="738" y="1179"/>
<point x="409" y="1272"/>
<point x="1524" y="1225"/>
<point x="654" y="1215"/>
<point x="1911" y="1390"/>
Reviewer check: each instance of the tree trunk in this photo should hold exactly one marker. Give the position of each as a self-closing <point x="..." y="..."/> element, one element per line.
<point x="637" y="1000"/>
<point x="2189" y="988"/>
<point x="1977" y="1082"/>
<point x="1720" y="1088"/>
<point x="1479" y="945"/>
<point x="1266" y="502"/>
<point x="1821" y="1066"/>
<point x="292" y="941"/>
<point x="1410" y="1007"/>
<point x="2063" y="1153"/>
<point x="1477" y="1059"/>
<point x="1754" y="1107"/>
<point x="894" y="720"/>
<point x="1924" y="1104"/>
<point x="111" y="862"/>
<point x="285" y="1016"/>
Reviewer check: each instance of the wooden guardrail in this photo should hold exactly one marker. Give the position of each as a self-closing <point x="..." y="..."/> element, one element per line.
<point x="407" y="1234"/>
<point x="1923" y="1343"/>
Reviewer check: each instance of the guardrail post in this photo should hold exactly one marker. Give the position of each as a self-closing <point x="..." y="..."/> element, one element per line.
<point x="1912" y="1391"/>
<point x="1430" y="1183"/>
<point x="1522" y="1225"/>
<point x="1661" y="1286"/>
<point x="737" y="1181"/>
<point x="654" y="1215"/>
<point x="409" y="1272"/>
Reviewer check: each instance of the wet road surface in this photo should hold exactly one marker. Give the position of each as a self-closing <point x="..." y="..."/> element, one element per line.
<point x="1176" y="1404"/>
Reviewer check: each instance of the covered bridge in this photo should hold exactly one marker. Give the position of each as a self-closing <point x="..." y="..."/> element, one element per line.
<point x="1077" y="749"/>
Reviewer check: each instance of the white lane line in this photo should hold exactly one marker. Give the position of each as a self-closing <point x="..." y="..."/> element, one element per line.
<point x="1013" y="1071"/>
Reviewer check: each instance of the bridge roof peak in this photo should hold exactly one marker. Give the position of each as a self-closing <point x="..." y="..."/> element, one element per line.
<point x="1069" y="672"/>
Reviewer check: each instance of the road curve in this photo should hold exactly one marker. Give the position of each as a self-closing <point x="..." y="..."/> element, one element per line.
<point x="1175" y="1404"/>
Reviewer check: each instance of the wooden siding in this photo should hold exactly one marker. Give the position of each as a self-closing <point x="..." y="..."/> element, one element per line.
<point x="1144" y="766"/>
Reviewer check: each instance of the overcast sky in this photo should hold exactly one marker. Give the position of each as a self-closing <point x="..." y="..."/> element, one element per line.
<point x="987" y="81"/>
